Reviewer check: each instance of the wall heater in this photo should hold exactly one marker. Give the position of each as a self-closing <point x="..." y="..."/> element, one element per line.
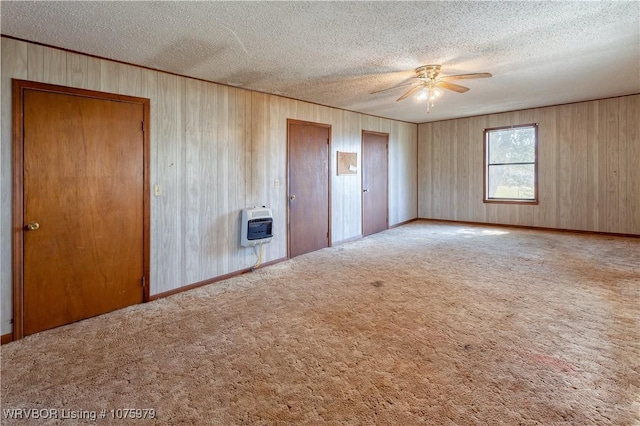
<point x="257" y="226"/>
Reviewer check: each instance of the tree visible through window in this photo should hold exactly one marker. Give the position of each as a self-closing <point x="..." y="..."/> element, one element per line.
<point x="511" y="164"/>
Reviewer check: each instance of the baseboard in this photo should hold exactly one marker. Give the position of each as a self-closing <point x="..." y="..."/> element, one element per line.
<point x="6" y="338"/>
<point x="346" y="240"/>
<point x="403" y="223"/>
<point x="211" y="280"/>
<point x="540" y="228"/>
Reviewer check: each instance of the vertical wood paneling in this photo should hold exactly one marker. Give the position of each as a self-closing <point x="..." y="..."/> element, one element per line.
<point x="166" y="234"/>
<point x="462" y="154"/>
<point x="564" y="156"/>
<point x="54" y="66"/>
<point x="130" y="80"/>
<point x="397" y="166"/>
<point x="109" y="76"/>
<point x="276" y="154"/>
<point x="248" y="146"/>
<point x="237" y="195"/>
<point x="425" y="168"/>
<point x="340" y="194"/>
<point x="592" y="200"/>
<point x="588" y="157"/>
<point x="221" y="209"/>
<point x="179" y="203"/>
<point x="629" y="162"/>
<point x="35" y="61"/>
<point x="214" y="151"/>
<point x="475" y="164"/>
<point x="350" y="211"/>
<point x="346" y="199"/>
<point x="403" y="172"/>
<point x="579" y="168"/>
<point x="547" y="170"/>
<point x="608" y="153"/>
<point x="444" y="169"/>
<point x="248" y="159"/>
<point x="14" y="65"/>
<point x="194" y="183"/>
<point x="435" y="169"/>
<point x="259" y="135"/>
<point x="150" y="84"/>
<point x="623" y="146"/>
<point x="212" y="238"/>
<point x="83" y="71"/>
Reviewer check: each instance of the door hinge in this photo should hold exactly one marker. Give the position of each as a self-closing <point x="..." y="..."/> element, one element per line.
<point x="144" y="282"/>
<point x="142" y="126"/>
<point x="327" y="234"/>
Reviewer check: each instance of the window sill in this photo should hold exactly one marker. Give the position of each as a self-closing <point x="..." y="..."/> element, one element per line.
<point x="510" y="201"/>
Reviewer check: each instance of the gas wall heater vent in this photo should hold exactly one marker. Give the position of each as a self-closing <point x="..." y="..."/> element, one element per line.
<point x="257" y="226"/>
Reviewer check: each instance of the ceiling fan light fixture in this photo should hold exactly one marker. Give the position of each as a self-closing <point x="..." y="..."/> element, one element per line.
<point x="430" y="84"/>
<point x="429" y="92"/>
<point x="423" y="94"/>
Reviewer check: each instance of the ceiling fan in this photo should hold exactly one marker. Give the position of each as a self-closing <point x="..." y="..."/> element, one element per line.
<point x="429" y="84"/>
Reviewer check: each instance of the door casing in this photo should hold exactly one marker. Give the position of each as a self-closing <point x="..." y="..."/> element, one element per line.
<point x="18" y="89"/>
<point x="291" y="122"/>
<point x="376" y="135"/>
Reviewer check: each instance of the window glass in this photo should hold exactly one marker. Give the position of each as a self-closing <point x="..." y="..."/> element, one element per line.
<point x="510" y="164"/>
<point x="509" y="146"/>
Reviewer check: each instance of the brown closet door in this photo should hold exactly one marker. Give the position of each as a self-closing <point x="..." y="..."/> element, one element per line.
<point x="83" y="191"/>
<point x="308" y="187"/>
<point x="374" y="182"/>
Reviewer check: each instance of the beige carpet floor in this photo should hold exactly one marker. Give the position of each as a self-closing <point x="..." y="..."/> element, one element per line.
<point x="428" y="323"/>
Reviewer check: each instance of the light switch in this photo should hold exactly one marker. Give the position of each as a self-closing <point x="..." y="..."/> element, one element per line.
<point x="157" y="190"/>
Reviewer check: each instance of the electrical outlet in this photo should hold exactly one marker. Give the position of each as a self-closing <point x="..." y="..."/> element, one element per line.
<point x="276" y="183"/>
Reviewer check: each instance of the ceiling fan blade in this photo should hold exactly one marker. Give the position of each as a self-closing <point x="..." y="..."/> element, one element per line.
<point x="394" y="87"/>
<point x="452" y="86"/>
<point x="409" y="93"/>
<point x="465" y="76"/>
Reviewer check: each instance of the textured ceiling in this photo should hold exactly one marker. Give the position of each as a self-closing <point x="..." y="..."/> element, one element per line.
<point x="337" y="53"/>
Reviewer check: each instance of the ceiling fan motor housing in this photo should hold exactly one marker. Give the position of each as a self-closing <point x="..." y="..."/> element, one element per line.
<point x="428" y="71"/>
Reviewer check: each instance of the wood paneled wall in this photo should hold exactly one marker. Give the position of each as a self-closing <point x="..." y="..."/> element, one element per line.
<point x="589" y="168"/>
<point x="214" y="150"/>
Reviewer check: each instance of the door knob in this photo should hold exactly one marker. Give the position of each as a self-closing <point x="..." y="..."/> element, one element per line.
<point x="365" y="190"/>
<point x="292" y="197"/>
<point x="33" y="226"/>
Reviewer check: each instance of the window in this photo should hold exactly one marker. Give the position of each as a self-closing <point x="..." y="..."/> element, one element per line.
<point x="511" y="164"/>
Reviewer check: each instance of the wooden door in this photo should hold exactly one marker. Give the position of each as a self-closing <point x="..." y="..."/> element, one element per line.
<point x="83" y="207"/>
<point x="308" y="158"/>
<point x="374" y="182"/>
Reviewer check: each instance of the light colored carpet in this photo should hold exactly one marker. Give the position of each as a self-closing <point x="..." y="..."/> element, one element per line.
<point x="429" y="323"/>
